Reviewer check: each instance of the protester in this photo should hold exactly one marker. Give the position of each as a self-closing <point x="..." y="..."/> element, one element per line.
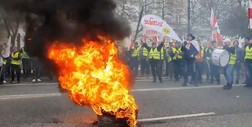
<point x="6" y="60"/>
<point x="207" y="60"/>
<point x="189" y="53"/>
<point x="215" y="70"/>
<point x="15" y="65"/>
<point x="248" y="63"/>
<point x="239" y="61"/>
<point x="156" y="57"/>
<point x="176" y="56"/>
<point x="230" y="66"/>
<point x="36" y="69"/>
<point x="143" y="57"/>
<point x="134" y="61"/>
<point x="199" y="63"/>
<point x="26" y="63"/>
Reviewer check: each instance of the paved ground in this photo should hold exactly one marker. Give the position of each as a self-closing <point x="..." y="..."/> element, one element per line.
<point x="161" y="105"/>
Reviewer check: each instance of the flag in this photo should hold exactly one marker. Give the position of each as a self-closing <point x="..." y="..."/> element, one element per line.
<point x="215" y="36"/>
<point x="131" y="44"/>
<point x="155" y="39"/>
<point x="250" y="14"/>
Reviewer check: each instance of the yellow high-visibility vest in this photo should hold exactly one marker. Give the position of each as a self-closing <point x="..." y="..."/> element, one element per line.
<point x="15" y="56"/>
<point x="232" y="59"/>
<point x="248" y="55"/>
<point x="155" y="54"/>
<point x="175" y="50"/>
<point x="151" y="54"/>
<point x="135" y="52"/>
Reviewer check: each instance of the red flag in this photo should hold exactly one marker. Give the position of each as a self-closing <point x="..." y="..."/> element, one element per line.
<point x="145" y="38"/>
<point x="155" y="39"/>
<point x="213" y="21"/>
<point x="131" y="45"/>
<point x="216" y="36"/>
<point x="250" y="14"/>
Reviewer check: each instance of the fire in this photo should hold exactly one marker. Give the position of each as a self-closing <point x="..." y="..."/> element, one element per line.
<point x="94" y="76"/>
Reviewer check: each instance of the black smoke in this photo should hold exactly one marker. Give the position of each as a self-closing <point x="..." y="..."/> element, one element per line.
<point x="48" y="21"/>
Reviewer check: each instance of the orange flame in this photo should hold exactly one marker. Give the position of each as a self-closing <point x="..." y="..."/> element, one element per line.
<point x="94" y="76"/>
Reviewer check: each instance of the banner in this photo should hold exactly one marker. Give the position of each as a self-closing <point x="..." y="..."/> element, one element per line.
<point x="154" y="22"/>
<point x="150" y="32"/>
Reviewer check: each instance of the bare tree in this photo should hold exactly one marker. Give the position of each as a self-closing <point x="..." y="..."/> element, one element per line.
<point x="12" y="23"/>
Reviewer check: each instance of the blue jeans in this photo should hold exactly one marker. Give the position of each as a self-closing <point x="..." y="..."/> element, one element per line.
<point x="238" y="71"/>
<point x="248" y="73"/>
<point x="189" y="66"/>
<point x="230" y="74"/>
<point x="215" y="73"/>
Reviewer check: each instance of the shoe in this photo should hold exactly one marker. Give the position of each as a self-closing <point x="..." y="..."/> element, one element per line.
<point x="196" y="85"/>
<point x="154" y="81"/>
<point x="39" y="80"/>
<point x="227" y="87"/>
<point x="184" y="85"/>
<point x="237" y="82"/>
<point x="33" y="80"/>
<point x="12" y="82"/>
<point x="4" y="82"/>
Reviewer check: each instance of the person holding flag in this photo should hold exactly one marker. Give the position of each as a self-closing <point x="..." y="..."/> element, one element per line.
<point x="156" y="58"/>
<point x="190" y="50"/>
<point x="143" y="54"/>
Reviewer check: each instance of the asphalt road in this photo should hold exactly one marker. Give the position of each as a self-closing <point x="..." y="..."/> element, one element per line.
<point x="161" y="105"/>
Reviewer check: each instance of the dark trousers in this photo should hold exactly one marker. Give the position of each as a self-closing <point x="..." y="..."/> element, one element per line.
<point x="26" y="67"/>
<point x="199" y="71"/>
<point x="1" y="78"/>
<point x="6" y="68"/>
<point x="134" y="63"/>
<point x="145" y="68"/>
<point x="207" y="70"/>
<point x="177" y="69"/>
<point x="215" y="73"/>
<point x="156" y="69"/>
<point x="36" y="67"/>
<point x="15" y="70"/>
<point x="189" y="66"/>
<point x="248" y="73"/>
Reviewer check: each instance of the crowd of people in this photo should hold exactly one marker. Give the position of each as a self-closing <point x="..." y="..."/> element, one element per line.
<point x="188" y="62"/>
<point x="16" y="63"/>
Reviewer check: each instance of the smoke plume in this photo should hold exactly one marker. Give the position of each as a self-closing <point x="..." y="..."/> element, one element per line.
<point x="67" y="20"/>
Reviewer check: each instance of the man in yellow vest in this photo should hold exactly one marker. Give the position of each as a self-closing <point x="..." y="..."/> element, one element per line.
<point x="168" y="62"/>
<point x="143" y="57"/>
<point x="199" y="63"/>
<point x="156" y="57"/>
<point x="248" y="63"/>
<point x="15" y="65"/>
<point x="230" y="67"/>
<point x="176" y="56"/>
<point x="26" y="63"/>
<point x="134" y="60"/>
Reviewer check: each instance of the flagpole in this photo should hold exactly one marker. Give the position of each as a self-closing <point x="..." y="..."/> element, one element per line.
<point x="188" y="17"/>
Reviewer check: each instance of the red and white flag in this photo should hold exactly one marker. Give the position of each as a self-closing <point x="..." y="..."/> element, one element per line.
<point x="131" y="43"/>
<point x="250" y="14"/>
<point x="156" y="39"/>
<point x="216" y="36"/>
